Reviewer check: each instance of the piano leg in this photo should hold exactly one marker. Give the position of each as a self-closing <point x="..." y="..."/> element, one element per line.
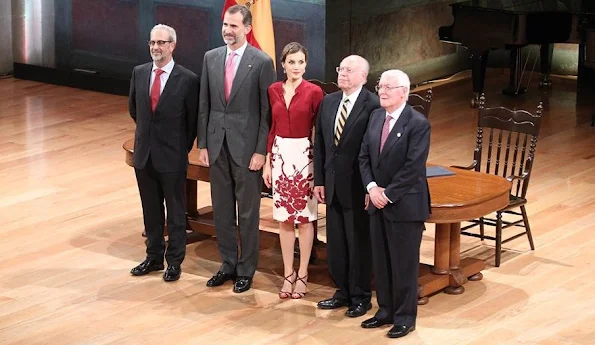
<point x="586" y="71"/>
<point x="479" y="62"/>
<point x="514" y="87"/>
<point x="545" y="54"/>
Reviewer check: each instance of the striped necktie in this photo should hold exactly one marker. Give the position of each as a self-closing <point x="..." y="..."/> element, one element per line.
<point x="341" y="123"/>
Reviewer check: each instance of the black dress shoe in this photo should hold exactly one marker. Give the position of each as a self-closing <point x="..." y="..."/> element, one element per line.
<point x="332" y="303"/>
<point x="242" y="284"/>
<point x="220" y="278"/>
<point x="172" y="273"/>
<point x="146" y="267"/>
<point x="374" y="323"/>
<point x="358" y="309"/>
<point x="400" y="331"/>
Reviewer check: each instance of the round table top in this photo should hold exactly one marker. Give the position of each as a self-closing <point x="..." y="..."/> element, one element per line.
<point x="463" y="196"/>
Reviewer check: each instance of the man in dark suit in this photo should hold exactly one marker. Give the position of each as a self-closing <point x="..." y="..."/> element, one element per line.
<point x="232" y="136"/>
<point x="164" y="104"/>
<point x="342" y="122"/>
<point x="393" y="166"/>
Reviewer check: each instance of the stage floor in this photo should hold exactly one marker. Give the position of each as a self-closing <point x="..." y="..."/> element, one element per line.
<point x="71" y="227"/>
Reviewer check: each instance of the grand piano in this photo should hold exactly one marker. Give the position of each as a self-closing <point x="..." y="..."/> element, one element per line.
<point x="484" y="25"/>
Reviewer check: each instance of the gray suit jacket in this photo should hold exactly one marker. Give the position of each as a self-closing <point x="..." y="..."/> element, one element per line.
<point x="244" y="120"/>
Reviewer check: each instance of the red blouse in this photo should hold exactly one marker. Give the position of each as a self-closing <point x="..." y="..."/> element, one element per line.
<point x="298" y="120"/>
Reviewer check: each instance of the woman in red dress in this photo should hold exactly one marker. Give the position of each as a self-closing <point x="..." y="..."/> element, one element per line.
<point x="289" y="169"/>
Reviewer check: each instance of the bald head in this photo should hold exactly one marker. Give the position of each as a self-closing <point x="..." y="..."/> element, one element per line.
<point x="353" y="73"/>
<point x="393" y="89"/>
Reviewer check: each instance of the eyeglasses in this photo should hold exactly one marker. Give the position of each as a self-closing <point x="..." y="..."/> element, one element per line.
<point x="386" y="87"/>
<point x="344" y="69"/>
<point x="159" y="43"/>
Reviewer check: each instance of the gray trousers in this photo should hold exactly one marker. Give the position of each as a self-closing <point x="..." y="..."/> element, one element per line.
<point x="231" y="186"/>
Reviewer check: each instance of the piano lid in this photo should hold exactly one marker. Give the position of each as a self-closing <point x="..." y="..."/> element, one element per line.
<point x="532" y="6"/>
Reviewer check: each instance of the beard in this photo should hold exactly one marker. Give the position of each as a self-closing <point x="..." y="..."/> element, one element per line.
<point x="231" y="39"/>
<point x="157" y="56"/>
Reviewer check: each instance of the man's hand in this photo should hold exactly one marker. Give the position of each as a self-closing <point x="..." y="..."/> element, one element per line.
<point x="203" y="157"/>
<point x="256" y="162"/>
<point x="319" y="194"/>
<point x="367" y="202"/>
<point x="377" y="197"/>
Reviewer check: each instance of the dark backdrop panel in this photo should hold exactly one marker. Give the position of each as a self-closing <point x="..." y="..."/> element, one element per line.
<point x="192" y="29"/>
<point x="287" y="31"/>
<point x="105" y="27"/>
<point x="109" y="36"/>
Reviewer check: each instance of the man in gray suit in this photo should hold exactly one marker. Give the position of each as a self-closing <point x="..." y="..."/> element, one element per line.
<point x="232" y="135"/>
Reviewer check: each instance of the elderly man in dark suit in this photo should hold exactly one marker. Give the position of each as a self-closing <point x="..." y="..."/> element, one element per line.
<point x="393" y="165"/>
<point x="164" y="104"/>
<point x="342" y="122"/>
<point x="233" y="126"/>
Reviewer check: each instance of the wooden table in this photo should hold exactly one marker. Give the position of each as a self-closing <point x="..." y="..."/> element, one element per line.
<point x="463" y="196"/>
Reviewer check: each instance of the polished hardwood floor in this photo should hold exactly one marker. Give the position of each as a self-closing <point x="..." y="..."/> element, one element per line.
<point x="70" y="222"/>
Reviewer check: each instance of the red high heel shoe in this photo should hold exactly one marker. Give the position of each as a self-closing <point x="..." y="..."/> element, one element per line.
<point x="298" y="295"/>
<point x="287" y="294"/>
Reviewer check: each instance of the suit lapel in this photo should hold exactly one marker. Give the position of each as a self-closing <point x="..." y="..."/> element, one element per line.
<point x="144" y="82"/>
<point x="375" y="131"/>
<point x="360" y="102"/>
<point x="332" y="114"/>
<point x="243" y="69"/>
<point x="172" y="81"/>
<point x="219" y="75"/>
<point x="397" y="132"/>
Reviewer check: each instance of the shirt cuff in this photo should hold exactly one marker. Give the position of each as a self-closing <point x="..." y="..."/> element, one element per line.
<point x="371" y="185"/>
<point x="384" y="195"/>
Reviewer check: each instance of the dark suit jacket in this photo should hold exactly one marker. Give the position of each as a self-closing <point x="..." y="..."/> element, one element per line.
<point x="401" y="166"/>
<point x="168" y="135"/>
<point x="337" y="167"/>
<point x="244" y="120"/>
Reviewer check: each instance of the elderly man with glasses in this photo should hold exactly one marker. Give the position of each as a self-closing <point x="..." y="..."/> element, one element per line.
<point x="393" y="166"/>
<point x="341" y="124"/>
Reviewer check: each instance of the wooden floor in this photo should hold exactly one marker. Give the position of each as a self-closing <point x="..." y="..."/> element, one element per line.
<point x="70" y="222"/>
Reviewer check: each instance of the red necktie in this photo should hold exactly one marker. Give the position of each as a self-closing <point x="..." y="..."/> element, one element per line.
<point x="385" y="131"/>
<point x="156" y="89"/>
<point x="229" y="74"/>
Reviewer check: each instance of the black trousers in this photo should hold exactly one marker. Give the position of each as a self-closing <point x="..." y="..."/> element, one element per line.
<point x="349" y="251"/>
<point x="234" y="187"/>
<point x="395" y="253"/>
<point x="155" y="187"/>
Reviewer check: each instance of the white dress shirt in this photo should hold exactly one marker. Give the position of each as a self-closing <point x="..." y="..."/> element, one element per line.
<point x="352" y="98"/>
<point x="164" y="76"/>
<point x="239" y="52"/>
<point x="394" y="117"/>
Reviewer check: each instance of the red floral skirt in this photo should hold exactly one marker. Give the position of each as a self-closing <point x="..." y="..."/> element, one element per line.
<point x="293" y="180"/>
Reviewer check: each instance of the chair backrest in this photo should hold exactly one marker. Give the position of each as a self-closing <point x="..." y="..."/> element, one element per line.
<point x="327" y="88"/>
<point x="421" y="103"/>
<point x="510" y="147"/>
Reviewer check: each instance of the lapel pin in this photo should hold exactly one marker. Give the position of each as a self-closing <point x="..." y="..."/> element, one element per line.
<point x="249" y="66"/>
<point x="398" y="135"/>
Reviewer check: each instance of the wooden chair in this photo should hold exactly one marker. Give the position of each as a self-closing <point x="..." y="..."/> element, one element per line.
<point x="327" y="87"/>
<point x="421" y="103"/>
<point x="509" y="151"/>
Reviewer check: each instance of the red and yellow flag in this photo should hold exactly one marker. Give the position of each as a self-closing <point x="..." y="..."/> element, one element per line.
<point x="262" y="35"/>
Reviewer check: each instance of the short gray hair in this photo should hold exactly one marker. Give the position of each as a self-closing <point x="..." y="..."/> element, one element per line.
<point x="172" y="33"/>
<point x="401" y="77"/>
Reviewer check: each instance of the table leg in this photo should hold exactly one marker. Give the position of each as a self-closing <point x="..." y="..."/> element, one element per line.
<point x="441" y="249"/>
<point x="191" y="197"/>
<point x="457" y="278"/>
